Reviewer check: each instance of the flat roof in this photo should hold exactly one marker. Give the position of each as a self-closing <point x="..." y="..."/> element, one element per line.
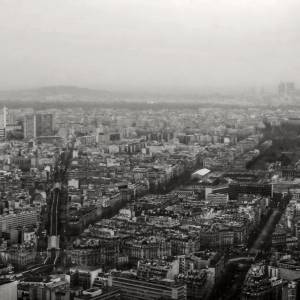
<point x="202" y="172"/>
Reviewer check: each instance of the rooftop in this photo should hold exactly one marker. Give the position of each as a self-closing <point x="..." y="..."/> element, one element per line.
<point x="201" y="172"/>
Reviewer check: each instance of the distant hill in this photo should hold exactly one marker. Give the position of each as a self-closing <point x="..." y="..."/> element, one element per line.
<point x="56" y="93"/>
<point x="62" y="97"/>
<point x="73" y="93"/>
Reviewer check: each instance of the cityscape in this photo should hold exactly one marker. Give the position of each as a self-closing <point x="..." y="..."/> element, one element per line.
<point x="149" y="150"/>
<point x="149" y="203"/>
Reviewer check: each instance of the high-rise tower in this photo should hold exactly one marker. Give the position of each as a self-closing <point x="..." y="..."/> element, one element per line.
<point x="37" y="125"/>
<point x="289" y="88"/>
<point x="281" y="89"/>
<point x="3" y="124"/>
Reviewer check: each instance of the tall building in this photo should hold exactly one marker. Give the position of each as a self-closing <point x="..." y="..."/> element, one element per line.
<point x="2" y="133"/>
<point x="286" y="89"/>
<point x="3" y="118"/>
<point x="3" y="123"/>
<point x="43" y="125"/>
<point x="29" y="126"/>
<point x="6" y="118"/>
<point x="38" y="125"/>
<point x="281" y="89"/>
<point x="289" y="88"/>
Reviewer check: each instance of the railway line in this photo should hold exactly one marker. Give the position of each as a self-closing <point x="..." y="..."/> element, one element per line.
<point x="59" y="179"/>
<point x="54" y="212"/>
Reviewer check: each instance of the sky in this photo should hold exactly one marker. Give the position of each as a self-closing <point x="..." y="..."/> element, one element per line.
<point x="149" y="45"/>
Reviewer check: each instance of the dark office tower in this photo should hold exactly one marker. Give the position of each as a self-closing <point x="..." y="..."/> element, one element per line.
<point x="289" y="88"/>
<point x="37" y="125"/>
<point x="281" y="89"/>
<point x="29" y="127"/>
<point x="43" y="125"/>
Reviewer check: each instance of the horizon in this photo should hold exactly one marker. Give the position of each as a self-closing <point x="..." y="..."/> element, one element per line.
<point x="162" y="91"/>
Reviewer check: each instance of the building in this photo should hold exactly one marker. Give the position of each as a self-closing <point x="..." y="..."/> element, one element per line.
<point x="258" y="285"/>
<point x="2" y="133"/>
<point x="289" y="88"/>
<point x="237" y="188"/>
<point x="158" y="269"/>
<point x="11" y="235"/>
<point x="43" y="288"/>
<point x="148" y="248"/>
<point x="201" y="174"/>
<point x="8" y="289"/>
<point x="286" y="89"/>
<point x="49" y="139"/>
<point x="213" y="261"/>
<point x="103" y="254"/>
<point x="217" y="199"/>
<point x="83" y="276"/>
<point x="86" y="140"/>
<point x="281" y="89"/>
<point x="13" y="221"/>
<point x="23" y="256"/>
<point x="291" y="290"/>
<point x="279" y="238"/>
<point x="22" y="161"/>
<point x="3" y="122"/>
<point x="37" y="125"/>
<point x="133" y="288"/>
<point x="199" y="283"/>
<point x="6" y="118"/>
<point x="184" y="244"/>
<point x="285" y="265"/>
<point x="107" y="293"/>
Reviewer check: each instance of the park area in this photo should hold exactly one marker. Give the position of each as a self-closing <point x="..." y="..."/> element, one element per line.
<point x="285" y="147"/>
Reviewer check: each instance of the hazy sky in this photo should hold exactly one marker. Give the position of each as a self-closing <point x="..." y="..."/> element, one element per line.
<point x="149" y="44"/>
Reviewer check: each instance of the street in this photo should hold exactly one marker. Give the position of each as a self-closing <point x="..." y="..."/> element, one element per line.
<point x="265" y="234"/>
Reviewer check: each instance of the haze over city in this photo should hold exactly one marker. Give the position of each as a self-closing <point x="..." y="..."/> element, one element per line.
<point x="149" y="149"/>
<point x="149" y="45"/>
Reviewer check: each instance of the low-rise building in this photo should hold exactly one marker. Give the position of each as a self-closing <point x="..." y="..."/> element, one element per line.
<point x="83" y="276"/>
<point x="133" y="288"/>
<point x="43" y="288"/>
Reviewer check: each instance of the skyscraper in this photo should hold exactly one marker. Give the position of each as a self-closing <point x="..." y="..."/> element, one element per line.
<point x="286" y="89"/>
<point x="3" y="124"/>
<point x="281" y="89"/>
<point x="37" y="125"/>
<point x="289" y="88"/>
<point x="6" y="118"/>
